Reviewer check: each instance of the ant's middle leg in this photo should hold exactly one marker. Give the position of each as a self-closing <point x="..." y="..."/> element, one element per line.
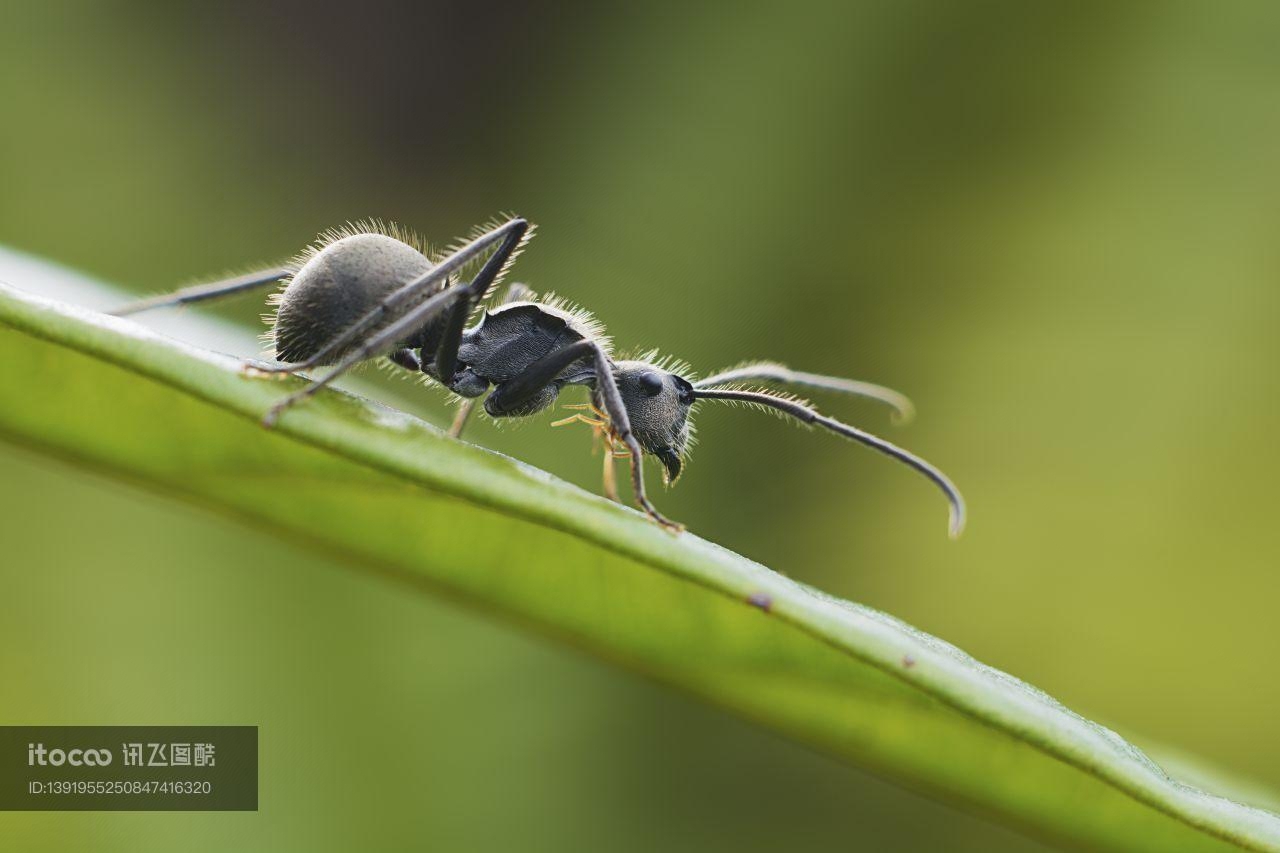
<point x="406" y="358"/>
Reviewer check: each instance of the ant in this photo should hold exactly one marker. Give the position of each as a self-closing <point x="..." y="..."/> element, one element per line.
<point x="369" y="291"/>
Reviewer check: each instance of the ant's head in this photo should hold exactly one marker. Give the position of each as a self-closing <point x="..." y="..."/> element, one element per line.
<point x="658" y="403"/>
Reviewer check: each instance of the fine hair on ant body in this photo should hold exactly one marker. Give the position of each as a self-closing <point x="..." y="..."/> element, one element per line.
<point x="370" y="291"/>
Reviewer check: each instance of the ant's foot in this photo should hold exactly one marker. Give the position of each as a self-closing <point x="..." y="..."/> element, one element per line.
<point x="250" y="367"/>
<point x="272" y="416"/>
<point x="665" y="523"/>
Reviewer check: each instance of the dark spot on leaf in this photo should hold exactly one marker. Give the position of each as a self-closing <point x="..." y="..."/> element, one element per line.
<point x="908" y="661"/>
<point x="759" y="599"/>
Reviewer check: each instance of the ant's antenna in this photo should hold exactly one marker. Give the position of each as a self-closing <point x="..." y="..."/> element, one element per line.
<point x="770" y="371"/>
<point x="808" y="415"/>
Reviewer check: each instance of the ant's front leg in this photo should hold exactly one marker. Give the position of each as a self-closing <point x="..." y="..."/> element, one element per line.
<point x="509" y="397"/>
<point x="620" y="423"/>
<point x="603" y="438"/>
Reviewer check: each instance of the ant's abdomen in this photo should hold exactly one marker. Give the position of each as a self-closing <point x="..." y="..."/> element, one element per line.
<point x="337" y="286"/>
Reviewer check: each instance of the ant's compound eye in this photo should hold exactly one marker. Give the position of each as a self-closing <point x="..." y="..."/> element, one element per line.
<point x="650" y="383"/>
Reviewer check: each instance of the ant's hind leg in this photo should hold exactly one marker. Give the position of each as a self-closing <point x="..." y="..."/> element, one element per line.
<point x="409" y="320"/>
<point x="204" y="292"/>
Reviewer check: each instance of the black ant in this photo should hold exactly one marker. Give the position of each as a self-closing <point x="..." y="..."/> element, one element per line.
<point x="368" y="291"/>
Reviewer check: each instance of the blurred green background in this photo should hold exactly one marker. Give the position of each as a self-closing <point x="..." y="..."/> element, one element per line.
<point x="1052" y="224"/>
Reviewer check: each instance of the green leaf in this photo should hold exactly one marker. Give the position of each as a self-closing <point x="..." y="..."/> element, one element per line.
<point x="393" y="494"/>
